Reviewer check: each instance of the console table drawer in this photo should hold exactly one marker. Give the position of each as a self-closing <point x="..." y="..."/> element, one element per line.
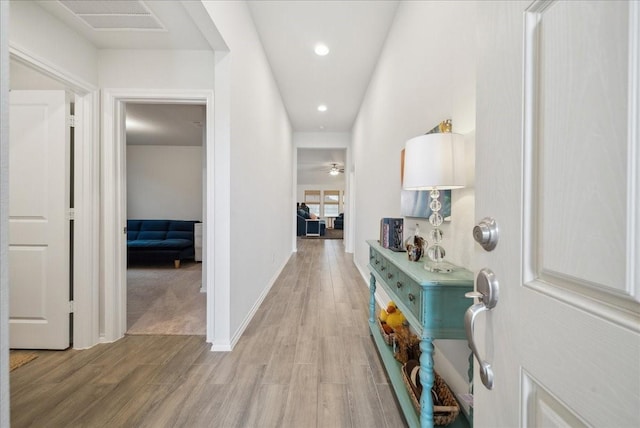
<point x="412" y="298"/>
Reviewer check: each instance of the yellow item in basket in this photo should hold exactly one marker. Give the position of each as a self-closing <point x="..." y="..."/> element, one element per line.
<point x="395" y="319"/>
<point x="384" y="313"/>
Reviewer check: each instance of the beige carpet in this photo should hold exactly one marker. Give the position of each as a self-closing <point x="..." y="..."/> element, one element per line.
<point x="19" y="359"/>
<point x="165" y="300"/>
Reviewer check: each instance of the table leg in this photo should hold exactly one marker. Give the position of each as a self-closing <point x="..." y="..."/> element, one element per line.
<point x="426" y="379"/>
<point x="372" y="299"/>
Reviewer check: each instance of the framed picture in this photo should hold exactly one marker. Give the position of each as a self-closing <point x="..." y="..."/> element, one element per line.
<point x="415" y="203"/>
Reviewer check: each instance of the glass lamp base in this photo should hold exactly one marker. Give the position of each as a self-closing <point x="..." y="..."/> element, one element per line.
<point x="438" y="267"/>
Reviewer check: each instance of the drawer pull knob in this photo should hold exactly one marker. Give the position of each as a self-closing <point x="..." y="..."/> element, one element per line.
<point x="399" y="284"/>
<point x="389" y="275"/>
<point x="377" y="262"/>
<point x="383" y="268"/>
<point x="411" y="297"/>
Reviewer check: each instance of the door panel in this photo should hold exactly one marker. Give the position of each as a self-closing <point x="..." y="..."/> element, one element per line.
<point x="557" y="161"/>
<point x="38" y="223"/>
<point x="582" y="88"/>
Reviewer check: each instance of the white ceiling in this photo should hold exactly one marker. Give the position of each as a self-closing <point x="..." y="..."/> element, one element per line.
<point x="165" y="124"/>
<point x="354" y="31"/>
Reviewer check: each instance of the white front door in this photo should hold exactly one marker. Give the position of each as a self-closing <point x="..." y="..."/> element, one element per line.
<point x="557" y="158"/>
<point x="38" y="220"/>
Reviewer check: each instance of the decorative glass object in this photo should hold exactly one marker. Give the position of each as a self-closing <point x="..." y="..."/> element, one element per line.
<point x="415" y="245"/>
<point x="436" y="251"/>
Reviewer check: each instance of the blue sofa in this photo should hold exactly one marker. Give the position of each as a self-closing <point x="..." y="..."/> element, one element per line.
<point x="338" y="223"/>
<point x="159" y="241"/>
<point x="302" y="224"/>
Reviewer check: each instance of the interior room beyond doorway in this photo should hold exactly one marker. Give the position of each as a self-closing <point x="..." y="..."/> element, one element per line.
<point x="164" y="181"/>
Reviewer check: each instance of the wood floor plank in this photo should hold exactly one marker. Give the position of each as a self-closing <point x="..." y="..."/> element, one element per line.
<point x="302" y="401"/>
<point x="83" y="399"/>
<point x="269" y="409"/>
<point x="364" y="401"/>
<point x="181" y="361"/>
<point x="240" y="396"/>
<point x="116" y="398"/>
<point x="204" y="400"/>
<point x="278" y="369"/>
<point x="332" y="360"/>
<point x="39" y="407"/>
<point x="333" y="406"/>
<point x="140" y="407"/>
<point x="392" y="417"/>
<point x="307" y="348"/>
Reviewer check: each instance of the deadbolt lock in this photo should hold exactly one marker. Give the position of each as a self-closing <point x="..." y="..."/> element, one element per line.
<point x="486" y="233"/>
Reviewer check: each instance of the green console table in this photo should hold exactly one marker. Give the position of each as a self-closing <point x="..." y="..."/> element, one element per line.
<point x="434" y="305"/>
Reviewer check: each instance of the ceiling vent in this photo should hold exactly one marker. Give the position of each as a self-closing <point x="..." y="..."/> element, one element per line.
<point x="132" y="15"/>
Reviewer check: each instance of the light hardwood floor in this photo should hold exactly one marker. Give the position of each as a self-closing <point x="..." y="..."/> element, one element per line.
<point x="305" y="360"/>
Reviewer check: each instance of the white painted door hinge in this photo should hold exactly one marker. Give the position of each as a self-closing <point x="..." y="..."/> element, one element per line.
<point x="71" y="121"/>
<point x="71" y="214"/>
<point x="71" y="307"/>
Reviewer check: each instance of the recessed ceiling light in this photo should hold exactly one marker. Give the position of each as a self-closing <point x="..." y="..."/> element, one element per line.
<point x="321" y="49"/>
<point x="322" y="108"/>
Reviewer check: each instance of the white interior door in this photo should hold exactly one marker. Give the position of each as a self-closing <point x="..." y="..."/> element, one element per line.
<point x="557" y="168"/>
<point x="38" y="220"/>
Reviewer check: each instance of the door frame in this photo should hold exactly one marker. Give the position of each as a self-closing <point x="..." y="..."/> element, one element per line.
<point x="87" y="203"/>
<point x="113" y="192"/>
<point x="348" y="205"/>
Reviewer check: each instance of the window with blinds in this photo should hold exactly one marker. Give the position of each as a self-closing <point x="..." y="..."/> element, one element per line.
<point x="331" y="203"/>
<point x="312" y="199"/>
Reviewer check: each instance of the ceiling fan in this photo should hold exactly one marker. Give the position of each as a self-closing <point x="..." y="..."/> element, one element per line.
<point x="335" y="170"/>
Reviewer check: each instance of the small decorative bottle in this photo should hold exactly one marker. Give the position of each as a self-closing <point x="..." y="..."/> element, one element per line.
<point x="415" y="245"/>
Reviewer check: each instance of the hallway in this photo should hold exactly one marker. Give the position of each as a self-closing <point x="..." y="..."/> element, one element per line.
<point x="306" y="360"/>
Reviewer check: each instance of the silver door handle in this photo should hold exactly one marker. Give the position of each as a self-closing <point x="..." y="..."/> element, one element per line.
<point x="487" y="285"/>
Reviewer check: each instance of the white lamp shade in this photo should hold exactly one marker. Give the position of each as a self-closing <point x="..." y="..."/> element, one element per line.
<point x="434" y="161"/>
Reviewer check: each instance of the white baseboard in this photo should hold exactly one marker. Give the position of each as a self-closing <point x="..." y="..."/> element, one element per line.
<point x="238" y="334"/>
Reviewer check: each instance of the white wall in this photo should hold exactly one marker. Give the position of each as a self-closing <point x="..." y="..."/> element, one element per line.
<point x="164" y="182"/>
<point x="156" y="69"/>
<point x="260" y="143"/>
<point x="51" y="42"/>
<point x="425" y="74"/>
<point x="324" y="140"/>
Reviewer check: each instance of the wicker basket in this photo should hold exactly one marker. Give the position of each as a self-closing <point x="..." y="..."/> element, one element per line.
<point x="389" y="339"/>
<point x="444" y="413"/>
<point x="407" y="345"/>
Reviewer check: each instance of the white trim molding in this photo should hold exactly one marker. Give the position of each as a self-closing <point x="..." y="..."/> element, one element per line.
<point x="113" y="191"/>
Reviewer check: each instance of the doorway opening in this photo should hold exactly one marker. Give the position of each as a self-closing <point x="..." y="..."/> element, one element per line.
<point x="321" y="192"/>
<point x="114" y="193"/>
<point x="164" y="188"/>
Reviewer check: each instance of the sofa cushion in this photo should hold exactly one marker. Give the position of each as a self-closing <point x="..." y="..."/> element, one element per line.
<point x="157" y="235"/>
<point x="154" y="225"/>
<point x="165" y="244"/>
<point x="180" y="229"/>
